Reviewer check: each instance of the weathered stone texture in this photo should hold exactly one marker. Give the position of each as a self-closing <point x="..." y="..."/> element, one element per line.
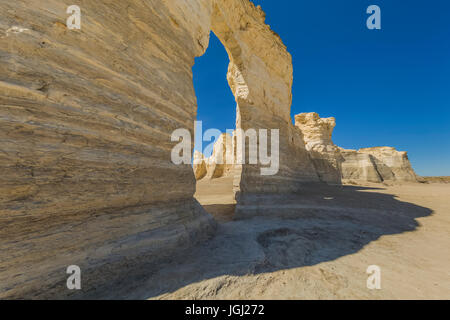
<point x="377" y="164"/>
<point x="359" y="167"/>
<point x="260" y="75"/>
<point x="199" y="166"/>
<point x="392" y="165"/>
<point x="222" y="159"/>
<point x="85" y="124"/>
<point x="86" y="118"/>
<point x="325" y="154"/>
<point x="332" y="163"/>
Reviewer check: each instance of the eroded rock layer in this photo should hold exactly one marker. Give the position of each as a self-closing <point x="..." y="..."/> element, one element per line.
<point x="199" y="165"/>
<point x="332" y="163"/>
<point x="377" y="164"/>
<point x="260" y="75"/>
<point x="222" y="159"/>
<point x="359" y="167"/>
<point x="392" y="165"/>
<point x="86" y="118"/>
<point x="325" y="154"/>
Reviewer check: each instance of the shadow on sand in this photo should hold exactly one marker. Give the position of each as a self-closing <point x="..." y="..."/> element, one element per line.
<point x="345" y="220"/>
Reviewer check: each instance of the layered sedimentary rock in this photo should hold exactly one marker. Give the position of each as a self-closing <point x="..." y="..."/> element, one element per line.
<point x="332" y="163"/>
<point x="86" y="118"/>
<point x="220" y="163"/>
<point x="325" y="154"/>
<point x="377" y="164"/>
<point x="260" y="76"/>
<point x="359" y="167"/>
<point x="222" y="159"/>
<point x="392" y="165"/>
<point x="199" y="165"/>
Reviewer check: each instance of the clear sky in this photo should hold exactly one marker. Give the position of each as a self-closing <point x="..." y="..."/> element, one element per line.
<point x="388" y="87"/>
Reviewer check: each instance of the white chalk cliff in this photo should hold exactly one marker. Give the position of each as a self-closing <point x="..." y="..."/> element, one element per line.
<point x="220" y="163"/>
<point x="325" y="154"/>
<point x="333" y="164"/>
<point x="392" y="165"/>
<point x="86" y="119"/>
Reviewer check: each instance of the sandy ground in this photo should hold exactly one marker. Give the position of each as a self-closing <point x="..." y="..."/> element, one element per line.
<point x="405" y="230"/>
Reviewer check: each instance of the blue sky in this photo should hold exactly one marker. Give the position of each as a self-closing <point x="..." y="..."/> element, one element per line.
<point x="384" y="87"/>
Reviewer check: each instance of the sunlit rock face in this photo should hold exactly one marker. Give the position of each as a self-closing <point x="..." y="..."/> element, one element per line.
<point x="377" y="164"/>
<point x="392" y="165"/>
<point x="260" y="75"/>
<point x="220" y="163"/>
<point x="359" y="167"/>
<point x="86" y="119"/>
<point x="222" y="159"/>
<point x="199" y="165"/>
<point x="325" y="154"/>
<point x="85" y="133"/>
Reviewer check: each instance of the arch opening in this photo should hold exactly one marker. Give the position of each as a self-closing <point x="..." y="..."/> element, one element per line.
<point x="216" y="122"/>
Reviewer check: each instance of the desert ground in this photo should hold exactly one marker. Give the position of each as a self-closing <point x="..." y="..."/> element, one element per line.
<point x="320" y="254"/>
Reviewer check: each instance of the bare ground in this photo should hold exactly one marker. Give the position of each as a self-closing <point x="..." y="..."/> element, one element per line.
<point x="436" y="179"/>
<point x="323" y="254"/>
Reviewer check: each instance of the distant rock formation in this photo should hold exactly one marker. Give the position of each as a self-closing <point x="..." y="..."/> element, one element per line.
<point x="199" y="165"/>
<point x="220" y="163"/>
<point x="325" y="154"/>
<point x="334" y="164"/>
<point x="392" y="165"/>
<point x="359" y="167"/>
<point x="377" y="164"/>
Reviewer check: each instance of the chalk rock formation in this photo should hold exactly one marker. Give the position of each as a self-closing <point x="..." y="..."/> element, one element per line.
<point x="200" y="170"/>
<point x="325" y="154"/>
<point x="220" y="163"/>
<point x="378" y="164"/>
<point x="260" y="75"/>
<point x="392" y="165"/>
<point x="86" y="120"/>
<point x="359" y="167"/>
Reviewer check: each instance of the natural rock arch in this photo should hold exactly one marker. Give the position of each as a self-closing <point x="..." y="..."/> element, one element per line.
<point x="260" y="76"/>
<point x="86" y="119"/>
